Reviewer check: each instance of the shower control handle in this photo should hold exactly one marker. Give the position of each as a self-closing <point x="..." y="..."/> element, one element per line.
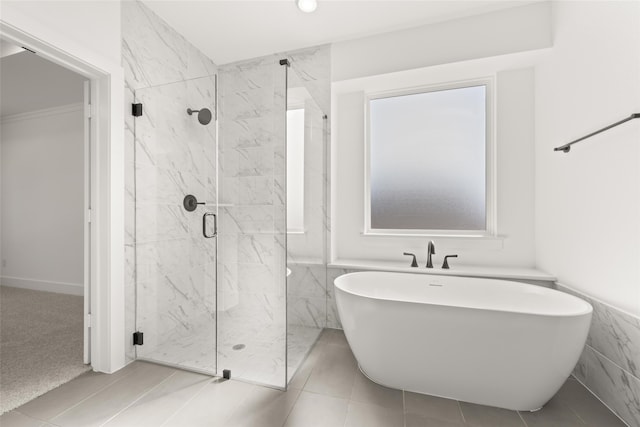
<point x="204" y="225"/>
<point x="190" y="203"/>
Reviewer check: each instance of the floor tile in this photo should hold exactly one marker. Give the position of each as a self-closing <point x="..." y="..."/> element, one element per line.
<point x="432" y="407"/>
<point x="329" y="390"/>
<point x="213" y="405"/>
<point x="362" y="414"/>
<point x="304" y="371"/>
<point x="16" y="419"/>
<point x="264" y="408"/>
<point x="317" y="410"/>
<point x="488" y="416"/>
<point x="334" y="373"/>
<point x="58" y="400"/>
<point x="366" y="391"/>
<point x="108" y="402"/>
<point x="414" y="420"/>
<point x="588" y="408"/>
<point x="333" y="336"/>
<point x="554" y="413"/>
<point x="155" y="407"/>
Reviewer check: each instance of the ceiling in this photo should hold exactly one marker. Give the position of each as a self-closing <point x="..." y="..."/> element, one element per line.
<point x="233" y="30"/>
<point x="29" y="83"/>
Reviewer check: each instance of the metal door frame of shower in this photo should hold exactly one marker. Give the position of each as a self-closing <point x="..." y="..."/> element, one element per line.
<point x="106" y="281"/>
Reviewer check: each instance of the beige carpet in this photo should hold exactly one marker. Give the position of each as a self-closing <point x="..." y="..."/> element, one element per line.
<point x="40" y="343"/>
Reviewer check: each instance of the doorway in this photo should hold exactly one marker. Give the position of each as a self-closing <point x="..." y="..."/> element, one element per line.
<point x="45" y="252"/>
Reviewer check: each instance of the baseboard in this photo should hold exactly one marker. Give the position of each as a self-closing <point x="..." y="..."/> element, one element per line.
<point x="43" y="285"/>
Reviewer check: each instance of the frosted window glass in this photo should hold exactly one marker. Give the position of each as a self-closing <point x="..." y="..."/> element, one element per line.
<point x="295" y="170"/>
<point x="427" y="164"/>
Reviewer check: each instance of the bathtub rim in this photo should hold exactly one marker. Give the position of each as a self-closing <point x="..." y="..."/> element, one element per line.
<point x="588" y="309"/>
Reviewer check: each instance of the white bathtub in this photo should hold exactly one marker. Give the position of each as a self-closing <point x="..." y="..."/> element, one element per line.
<point x="485" y="341"/>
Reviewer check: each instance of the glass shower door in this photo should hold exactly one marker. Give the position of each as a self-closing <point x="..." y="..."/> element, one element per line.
<point x="252" y="265"/>
<point x="176" y="252"/>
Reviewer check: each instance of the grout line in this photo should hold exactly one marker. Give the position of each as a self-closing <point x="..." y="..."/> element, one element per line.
<point x="522" y="418"/>
<point x="612" y="362"/>
<point x="404" y="410"/>
<point x="141" y="396"/>
<point x="292" y="407"/>
<point x="207" y="383"/>
<point x="89" y="396"/>
<point x="601" y="401"/>
<point x="28" y="416"/>
<point x="464" y="420"/>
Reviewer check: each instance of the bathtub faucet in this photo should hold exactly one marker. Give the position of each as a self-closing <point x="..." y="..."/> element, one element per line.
<point x="431" y="250"/>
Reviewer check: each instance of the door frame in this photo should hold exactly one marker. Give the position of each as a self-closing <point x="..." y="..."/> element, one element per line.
<point x="106" y="281"/>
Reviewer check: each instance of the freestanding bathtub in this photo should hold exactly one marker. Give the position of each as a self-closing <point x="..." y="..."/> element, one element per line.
<point x="485" y="341"/>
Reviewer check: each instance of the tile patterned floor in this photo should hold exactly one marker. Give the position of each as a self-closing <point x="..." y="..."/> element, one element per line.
<point x="328" y="390"/>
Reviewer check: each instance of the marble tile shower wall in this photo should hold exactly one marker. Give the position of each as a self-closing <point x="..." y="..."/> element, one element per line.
<point x="154" y="54"/>
<point x="610" y="363"/>
<point x="308" y="286"/>
<point x="251" y="273"/>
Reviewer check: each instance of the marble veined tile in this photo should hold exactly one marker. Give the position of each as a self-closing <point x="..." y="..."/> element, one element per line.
<point x="614" y="386"/>
<point x="313" y="66"/>
<point x="249" y="219"/>
<point x="255" y="161"/>
<point x="333" y="318"/>
<point x="306" y="311"/>
<point x="307" y="280"/>
<point x="255" y="190"/>
<point x="252" y="74"/>
<point x="247" y="132"/>
<point x="616" y="335"/>
<point x="153" y="53"/>
<point x="613" y="333"/>
<point x="199" y="64"/>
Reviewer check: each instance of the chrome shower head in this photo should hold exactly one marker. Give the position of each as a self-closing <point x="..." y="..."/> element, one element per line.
<point x="204" y="115"/>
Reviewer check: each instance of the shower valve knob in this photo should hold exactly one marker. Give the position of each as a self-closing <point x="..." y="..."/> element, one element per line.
<point x="190" y="203"/>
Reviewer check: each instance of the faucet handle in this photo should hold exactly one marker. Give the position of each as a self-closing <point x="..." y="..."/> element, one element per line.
<point x="445" y="264"/>
<point x="414" y="263"/>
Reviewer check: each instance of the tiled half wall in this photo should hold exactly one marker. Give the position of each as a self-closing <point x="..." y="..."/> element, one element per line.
<point x="610" y="362"/>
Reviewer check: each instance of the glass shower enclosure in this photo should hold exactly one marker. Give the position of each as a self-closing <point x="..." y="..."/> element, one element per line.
<point x="211" y="269"/>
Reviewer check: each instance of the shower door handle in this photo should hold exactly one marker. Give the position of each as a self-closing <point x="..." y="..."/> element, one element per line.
<point x="204" y="225"/>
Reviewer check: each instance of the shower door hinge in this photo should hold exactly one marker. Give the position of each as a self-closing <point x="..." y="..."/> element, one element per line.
<point x="136" y="110"/>
<point x="138" y="338"/>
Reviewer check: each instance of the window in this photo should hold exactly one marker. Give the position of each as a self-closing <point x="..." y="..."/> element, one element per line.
<point x="295" y="170"/>
<point x="427" y="161"/>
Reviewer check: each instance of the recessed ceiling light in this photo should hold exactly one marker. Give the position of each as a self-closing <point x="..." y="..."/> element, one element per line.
<point x="307" y="6"/>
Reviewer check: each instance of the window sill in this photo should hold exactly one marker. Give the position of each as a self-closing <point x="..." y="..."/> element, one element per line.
<point x="433" y="235"/>
<point x="512" y="273"/>
<point x="296" y="231"/>
<point x="461" y="241"/>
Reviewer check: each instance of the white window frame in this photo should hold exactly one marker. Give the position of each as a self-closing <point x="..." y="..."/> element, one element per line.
<point x="490" y="162"/>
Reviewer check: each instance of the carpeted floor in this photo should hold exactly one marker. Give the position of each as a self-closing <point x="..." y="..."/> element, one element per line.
<point x="41" y="343"/>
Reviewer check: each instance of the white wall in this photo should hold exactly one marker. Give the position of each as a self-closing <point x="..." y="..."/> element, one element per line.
<point x="588" y="201"/>
<point x="42" y="200"/>
<point x="88" y="36"/>
<point x="86" y="28"/>
<point x="514" y="157"/>
<point x="496" y="33"/>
